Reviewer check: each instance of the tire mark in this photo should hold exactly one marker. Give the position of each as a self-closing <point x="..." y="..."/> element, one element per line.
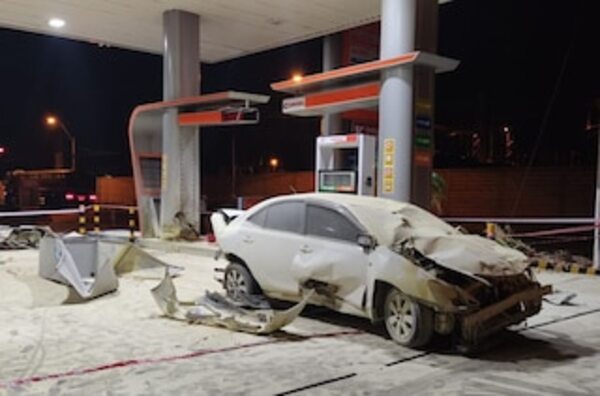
<point x="317" y="384"/>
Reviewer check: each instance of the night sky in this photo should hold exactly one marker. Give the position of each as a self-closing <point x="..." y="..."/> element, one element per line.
<point x="523" y="63"/>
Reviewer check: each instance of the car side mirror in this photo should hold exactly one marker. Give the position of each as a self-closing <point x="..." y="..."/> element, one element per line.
<point x="367" y="242"/>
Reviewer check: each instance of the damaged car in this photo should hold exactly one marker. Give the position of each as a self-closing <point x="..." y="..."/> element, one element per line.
<point x="379" y="259"/>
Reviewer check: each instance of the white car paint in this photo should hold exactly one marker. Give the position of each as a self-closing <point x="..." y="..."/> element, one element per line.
<point x="281" y="261"/>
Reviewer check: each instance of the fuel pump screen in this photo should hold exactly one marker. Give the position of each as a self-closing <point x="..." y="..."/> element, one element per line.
<point x="337" y="181"/>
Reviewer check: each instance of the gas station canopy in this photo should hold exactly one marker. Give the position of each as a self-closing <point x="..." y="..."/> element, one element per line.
<point x="228" y="29"/>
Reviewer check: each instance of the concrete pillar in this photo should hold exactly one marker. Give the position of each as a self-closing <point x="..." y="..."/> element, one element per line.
<point x="398" y="26"/>
<point x="331" y="124"/>
<point x="596" y="253"/>
<point x="180" y="176"/>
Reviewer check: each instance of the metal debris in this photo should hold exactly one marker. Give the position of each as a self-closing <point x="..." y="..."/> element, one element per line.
<point x="23" y="237"/>
<point x="214" y="309"/>
<point x="91" y="266"/>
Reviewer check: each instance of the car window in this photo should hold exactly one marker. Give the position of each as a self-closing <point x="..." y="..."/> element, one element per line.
<point x="330" y="224"/>
<point x="286" y="216"/>
<point x="259" y="218"/>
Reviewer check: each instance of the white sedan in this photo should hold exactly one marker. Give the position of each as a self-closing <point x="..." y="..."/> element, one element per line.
<point x="379" y="259"/>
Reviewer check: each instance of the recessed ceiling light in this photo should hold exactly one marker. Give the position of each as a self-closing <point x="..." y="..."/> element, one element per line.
<point x="56" y="23"/>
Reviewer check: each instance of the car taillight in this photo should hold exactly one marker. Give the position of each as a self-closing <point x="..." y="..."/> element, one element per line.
<point x="69" y="196"/>
<point x="81" y="198"/>
<point x="93" y="197"/>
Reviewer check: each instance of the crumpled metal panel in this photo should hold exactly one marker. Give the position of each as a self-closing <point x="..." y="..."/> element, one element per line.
<point x="91" y="266"/>
<point x="213" y="309"/>
<point x="82" y="263"/>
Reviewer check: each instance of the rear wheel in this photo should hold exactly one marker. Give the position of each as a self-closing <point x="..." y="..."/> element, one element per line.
<point x="238" y="281"/>
<point x="407" y="322"/>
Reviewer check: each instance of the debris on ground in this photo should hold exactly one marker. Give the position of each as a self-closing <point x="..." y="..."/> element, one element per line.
<point x="560" y="298"/>
<point x="563" y="256"/>
<point x="91" y="266"/>
<point x="22" y="237"/>
<point x="505" y="237"/>
<point x="214" y="309"/>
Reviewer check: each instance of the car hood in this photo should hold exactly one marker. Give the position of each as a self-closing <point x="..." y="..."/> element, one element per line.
<point x="391" y="223"/>
<point x="468" y="253"/>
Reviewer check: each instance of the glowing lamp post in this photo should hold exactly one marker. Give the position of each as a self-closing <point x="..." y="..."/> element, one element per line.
<point x="54" y="122"/>
<point x="274" y="163"/>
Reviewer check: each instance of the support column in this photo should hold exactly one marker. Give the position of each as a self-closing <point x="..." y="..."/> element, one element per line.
<point x="398" y="20"/>
<point x="596" y="253"/>
<point x="331" y="124"/>
<point x="180" y="176"/>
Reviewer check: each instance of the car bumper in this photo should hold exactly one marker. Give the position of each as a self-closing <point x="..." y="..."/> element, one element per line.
<point x="510" y="311"/>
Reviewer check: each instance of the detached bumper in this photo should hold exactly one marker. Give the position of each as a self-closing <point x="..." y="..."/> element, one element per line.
<point x="502" y="314"/>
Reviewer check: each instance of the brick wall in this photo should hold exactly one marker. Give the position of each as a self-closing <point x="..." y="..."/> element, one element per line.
<point x="115" y="190"/>
<point x="473" y="192"/>
<point x="495" y="191"/>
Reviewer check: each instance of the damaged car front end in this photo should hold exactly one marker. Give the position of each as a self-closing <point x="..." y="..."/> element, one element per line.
<point x="475" y="306"/>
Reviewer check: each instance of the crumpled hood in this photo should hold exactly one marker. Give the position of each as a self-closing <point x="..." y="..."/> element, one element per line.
<point x="468" y="253"/>
<point x="391" y="222"/>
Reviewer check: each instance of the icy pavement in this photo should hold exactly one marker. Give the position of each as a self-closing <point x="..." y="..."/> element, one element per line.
<point x="120" y="345"/>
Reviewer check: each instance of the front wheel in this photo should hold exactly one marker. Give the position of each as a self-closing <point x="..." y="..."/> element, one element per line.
<point x="238" y="281"/>
<point x="407" y="322"/>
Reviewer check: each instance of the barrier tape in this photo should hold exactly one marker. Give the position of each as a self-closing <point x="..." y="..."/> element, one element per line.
<point x="48" y="212"/>
<point x="544" y="265"/>
<point x="82" y="219"/>
<point x="522" y="220"/>
<point x="557" y="231"/>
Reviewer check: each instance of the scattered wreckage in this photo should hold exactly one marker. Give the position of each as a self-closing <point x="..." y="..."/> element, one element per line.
<point x="91" y="266"/>
<point x="250" y="315"/>
<point x="379" y="259"/>
<point x="21" y="237"/>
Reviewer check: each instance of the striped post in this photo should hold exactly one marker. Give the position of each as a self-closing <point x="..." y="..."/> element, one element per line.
<point x="490" y="230"/>
<point x="131" y="224"/>
<point x="82" y="227"/>
<point x="96" y="218"/>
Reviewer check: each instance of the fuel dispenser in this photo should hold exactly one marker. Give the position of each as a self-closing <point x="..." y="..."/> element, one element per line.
<point x="346" y="164"/>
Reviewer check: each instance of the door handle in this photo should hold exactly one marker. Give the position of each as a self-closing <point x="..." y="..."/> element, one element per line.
<point x="247" y="239"/>
<point x="306" y="249"/>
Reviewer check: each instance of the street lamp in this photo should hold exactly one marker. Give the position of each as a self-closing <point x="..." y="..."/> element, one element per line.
<point x="53" y="122"/>
<point x="274" y="163"/>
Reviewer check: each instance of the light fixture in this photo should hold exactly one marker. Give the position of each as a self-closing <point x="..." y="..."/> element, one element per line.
<point x="56" y="23"/>
<point x="297" y="77"/>
<point x="51" y="121"/>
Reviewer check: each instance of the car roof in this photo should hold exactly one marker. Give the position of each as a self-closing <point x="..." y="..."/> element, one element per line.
<point x="348" y="200"/>
<point x="380" y="216"/>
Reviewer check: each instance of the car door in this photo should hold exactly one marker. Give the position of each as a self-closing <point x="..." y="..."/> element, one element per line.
<point x="331" y="254"/>
<point x="270" y="240"/>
